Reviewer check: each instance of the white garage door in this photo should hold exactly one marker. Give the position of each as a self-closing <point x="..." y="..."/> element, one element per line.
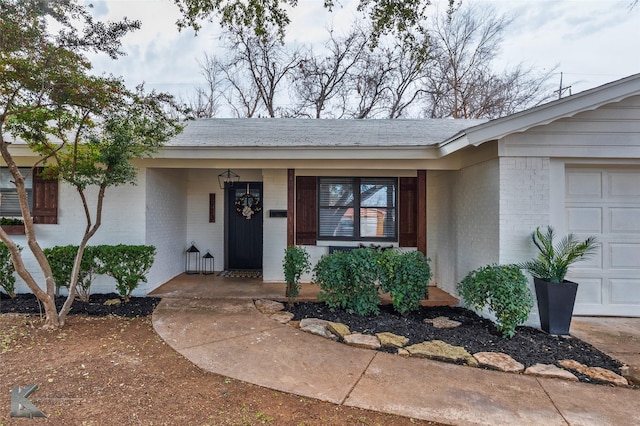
<point x="605" y="202"/>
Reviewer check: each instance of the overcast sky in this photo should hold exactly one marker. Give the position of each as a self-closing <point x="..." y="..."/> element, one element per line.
<point x="592" y="42"/>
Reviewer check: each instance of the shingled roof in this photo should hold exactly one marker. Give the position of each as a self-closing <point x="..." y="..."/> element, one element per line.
<point x="290" y="132"/>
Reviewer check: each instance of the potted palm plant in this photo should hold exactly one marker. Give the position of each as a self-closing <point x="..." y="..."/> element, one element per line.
<point x="556" y="296"/>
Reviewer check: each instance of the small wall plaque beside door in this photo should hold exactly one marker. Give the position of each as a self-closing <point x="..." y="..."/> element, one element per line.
<point x="212" y="208"/>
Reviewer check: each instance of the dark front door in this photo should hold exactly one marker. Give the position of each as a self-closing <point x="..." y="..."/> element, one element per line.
<point x="244" y="225"/>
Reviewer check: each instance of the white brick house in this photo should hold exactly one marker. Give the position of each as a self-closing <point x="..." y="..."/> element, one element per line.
<point x="467" y="193"/>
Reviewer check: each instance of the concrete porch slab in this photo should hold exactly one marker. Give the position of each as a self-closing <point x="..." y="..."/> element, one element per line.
<point x="213" y="286"/>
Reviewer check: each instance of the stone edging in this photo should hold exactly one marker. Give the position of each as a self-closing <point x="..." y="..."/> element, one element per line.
<point x="441" y="351"/>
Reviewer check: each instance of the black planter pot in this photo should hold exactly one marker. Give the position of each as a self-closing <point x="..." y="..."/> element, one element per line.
<point x="555" y="305"/>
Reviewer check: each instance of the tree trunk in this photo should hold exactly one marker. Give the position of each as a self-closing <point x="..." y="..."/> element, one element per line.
<point x="89" y="232"/>
<point x="46" y="297"/>
<point x="48" y="301"/>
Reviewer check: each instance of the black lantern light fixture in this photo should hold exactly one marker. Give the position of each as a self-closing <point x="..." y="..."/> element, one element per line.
<point x="207" y="263"/>
<point x="228" y="178"/>
<point x="192" y="260"/>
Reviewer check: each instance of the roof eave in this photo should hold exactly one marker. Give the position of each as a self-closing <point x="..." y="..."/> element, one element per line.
<point x="544" y="114"/>
<point x="301" y="152"/>
<point x="453" y="144"/>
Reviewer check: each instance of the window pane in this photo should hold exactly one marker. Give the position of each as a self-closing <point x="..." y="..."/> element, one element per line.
<point x="377" y="193"/>
<point x="368" y="213"/>
<point x="336" y="222"/>
<point x="377" y="222"/>
<point x="336" y="192"/>
<point x="6" y="178"/>
<point x="9" y="204"/>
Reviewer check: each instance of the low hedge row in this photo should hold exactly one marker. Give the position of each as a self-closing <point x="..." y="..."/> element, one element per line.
<point x="127" y="264"/>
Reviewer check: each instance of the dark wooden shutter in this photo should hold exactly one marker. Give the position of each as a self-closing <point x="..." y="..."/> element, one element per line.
<point x="291" y="207"/>
<point x="408" y="223"/>
<point x="422" y="212"/>
<point x="306" y="210"/>
<point x="45" y="199"/>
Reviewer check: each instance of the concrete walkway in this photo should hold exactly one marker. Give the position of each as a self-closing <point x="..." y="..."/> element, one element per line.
<point x="231" y="338"/>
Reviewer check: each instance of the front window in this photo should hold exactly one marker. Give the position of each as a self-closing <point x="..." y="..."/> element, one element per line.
<point x="358" y="208"/>
<point x="9" y="204"/>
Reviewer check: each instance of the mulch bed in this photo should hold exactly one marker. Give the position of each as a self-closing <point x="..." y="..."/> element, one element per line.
<point x="476" y="334"/>
<point x="29" y="304"/>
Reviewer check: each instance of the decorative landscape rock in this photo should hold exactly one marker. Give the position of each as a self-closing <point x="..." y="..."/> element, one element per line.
<point x="596" y="373"/>
<point x="632" y="374"/>
<point x="442" y="322"/>
<point x="365" y="341"/>
<point x="437" y="349"/>
<point x="282" y="317"/>
<point x="338" y="329"/>
<point x="308" y="321"/>
<point x="551" y="371"/>
<point x="113" y="302"/>
<point x="390" y="340"/>
<point x="318" y="327"/>
<point x="403" y="352"/>
<point x="498" y="361"/>
<point x="268" y="306"/>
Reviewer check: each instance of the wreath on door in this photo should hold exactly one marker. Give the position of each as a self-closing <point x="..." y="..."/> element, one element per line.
<point x="247" y="205"/>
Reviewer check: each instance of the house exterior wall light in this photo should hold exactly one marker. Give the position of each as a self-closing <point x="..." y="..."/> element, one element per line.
<point x="192" y="260"/>
<point x="228" y="178"/>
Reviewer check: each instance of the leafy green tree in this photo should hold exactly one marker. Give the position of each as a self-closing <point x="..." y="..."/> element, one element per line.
<point x="86" y="128"/>
<point x="401" y="17"/>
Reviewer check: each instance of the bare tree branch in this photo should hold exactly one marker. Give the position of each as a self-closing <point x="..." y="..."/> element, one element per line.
<point x="263" y="61"/>
<point x="461" y="80"/>
<point x="320" y="81"/>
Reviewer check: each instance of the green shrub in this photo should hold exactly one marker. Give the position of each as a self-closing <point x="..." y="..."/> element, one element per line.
<point x="7" y="279"/>
<point x="11" y="221"/>
<point x="296" y="262"/>
<point x="348" y="281"/>
<point x="127" y="264"/>
<point x="61" y="259"/>
<point x="405" y="276"/>
<point x="504" y="290"/>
